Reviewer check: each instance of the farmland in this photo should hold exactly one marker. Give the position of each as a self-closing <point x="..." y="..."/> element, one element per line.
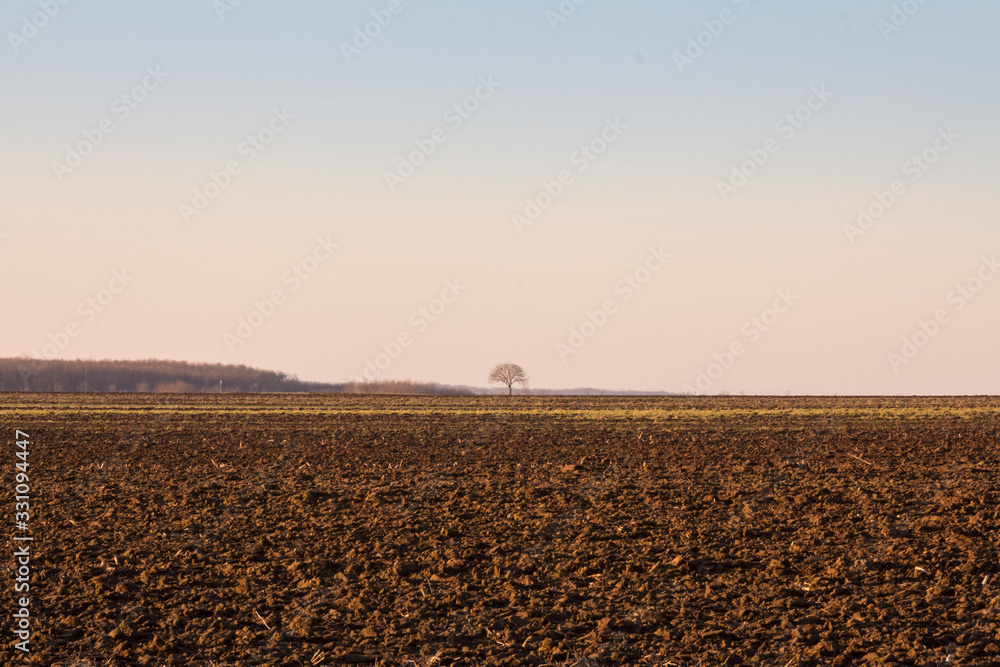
<point x="297" y="529"/>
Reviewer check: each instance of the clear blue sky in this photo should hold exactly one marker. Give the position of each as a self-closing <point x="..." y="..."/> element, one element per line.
<point x="443" y="267"/>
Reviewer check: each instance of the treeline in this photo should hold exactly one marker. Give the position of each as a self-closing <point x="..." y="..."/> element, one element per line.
<point x="149" y="375"/>
<point x="163" y="376"/>
<point x="406" y="387"/>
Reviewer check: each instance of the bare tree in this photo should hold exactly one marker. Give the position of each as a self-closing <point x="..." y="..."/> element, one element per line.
<point x="508" y="374"/>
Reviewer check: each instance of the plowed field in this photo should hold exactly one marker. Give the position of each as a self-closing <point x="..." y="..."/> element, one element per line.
<point x="324" y="530"/>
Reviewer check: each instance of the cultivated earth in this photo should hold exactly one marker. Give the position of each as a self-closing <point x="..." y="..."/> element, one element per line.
<point x="339" y="529"/>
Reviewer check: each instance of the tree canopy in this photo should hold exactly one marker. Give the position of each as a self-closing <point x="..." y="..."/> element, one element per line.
<point x="508" y="374"/>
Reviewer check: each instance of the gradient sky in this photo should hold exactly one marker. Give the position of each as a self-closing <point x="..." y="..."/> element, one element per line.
<point x="680" y="128"/>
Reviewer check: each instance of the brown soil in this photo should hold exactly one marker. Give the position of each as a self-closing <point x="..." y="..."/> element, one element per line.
<point x="297" y="530"/>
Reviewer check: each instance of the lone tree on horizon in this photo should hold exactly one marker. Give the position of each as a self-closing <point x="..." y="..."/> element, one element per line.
<point x="508" y="374"/>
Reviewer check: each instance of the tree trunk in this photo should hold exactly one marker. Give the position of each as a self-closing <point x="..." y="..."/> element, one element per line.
<point x="510" y="388"/>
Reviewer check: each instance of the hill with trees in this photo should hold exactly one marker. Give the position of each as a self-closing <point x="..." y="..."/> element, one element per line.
<point x="163" y="376"/>
<point x="148" y="375"/>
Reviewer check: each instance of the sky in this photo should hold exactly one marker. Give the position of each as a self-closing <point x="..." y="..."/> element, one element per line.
<point x="721" y="196"/>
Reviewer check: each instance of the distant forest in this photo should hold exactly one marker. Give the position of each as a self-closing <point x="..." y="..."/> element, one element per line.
<point x="182" y="377"/>
<point x="162" y="376"/>
<point x="149" y="375"/>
